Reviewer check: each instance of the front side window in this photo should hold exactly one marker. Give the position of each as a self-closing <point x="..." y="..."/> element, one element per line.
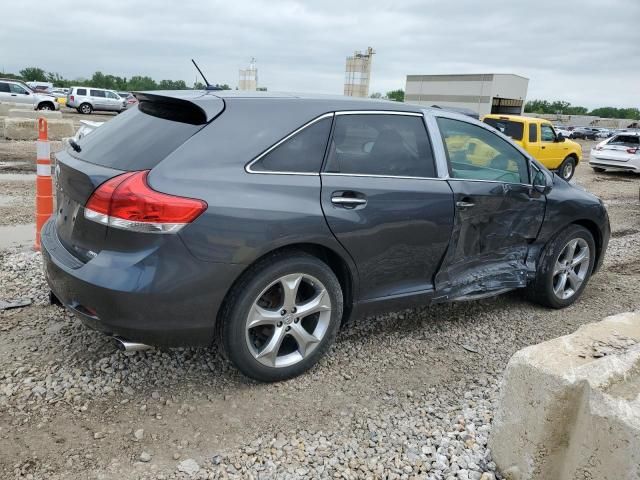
<point x="97" y="93"/>
<point x="475" y="153"/>
<point x="548" y="135"/>
<point x="112" y="95"/>
<point x="379" y="144"/>
<point x="17" y="89"/>
<point x="301" y="153"/>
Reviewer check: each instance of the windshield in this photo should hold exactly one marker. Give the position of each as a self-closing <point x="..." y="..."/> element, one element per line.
<point x="508" y="127"/>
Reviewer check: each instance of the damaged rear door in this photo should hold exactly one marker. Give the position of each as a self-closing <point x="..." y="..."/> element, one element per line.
<point x="497" y="212"/>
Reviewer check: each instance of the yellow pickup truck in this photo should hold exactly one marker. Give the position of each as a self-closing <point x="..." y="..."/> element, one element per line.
<point x="538" y="137"/>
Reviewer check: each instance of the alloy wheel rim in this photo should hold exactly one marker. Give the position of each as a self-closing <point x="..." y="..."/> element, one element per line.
<point x="571" y="268"/>
<point x="288" y="320"/>
<point x="568" y="170"/>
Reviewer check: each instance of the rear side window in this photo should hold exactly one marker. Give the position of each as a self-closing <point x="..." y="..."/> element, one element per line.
<point x="81" y="91"/>
<point x="533" y="132"/>
<point x="507" y="127"/>
<point x="303" y="152"/>
<point x="630" y="140"/>
<point x="97" y="93"/>
<point x="4" y="87"/>
<point x="134" y="140"/>
<point x="378" y="144"/>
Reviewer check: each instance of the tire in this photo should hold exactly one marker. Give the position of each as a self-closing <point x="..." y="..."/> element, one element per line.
<point x="46" y="106"/>
<point x="85" y="108"/>
<point x="567" y="168"/>
<point x="545" y="289"/>
<point x="263" y="287"/>
<point x="599" y="169"/>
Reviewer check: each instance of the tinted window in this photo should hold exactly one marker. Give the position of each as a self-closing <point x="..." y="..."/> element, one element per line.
<point x="301" y="153"/>
<point x="81" y="91"/>
<point x="134" y="141"/>
<point x="507" y="127"/>
<point x="4" y="87"/>
<point x="631" y="140"/>
<point x="477" y="154"/>
<point x="533" y="132"/>
<point x="17" y="89"/>
<point x="97" y="93"/>
<point x="391" y="145"/>
<point x="547" y="133"/>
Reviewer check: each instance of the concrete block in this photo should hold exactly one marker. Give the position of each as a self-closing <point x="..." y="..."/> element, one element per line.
<point x="24" y="113"/>
<point x="26" y="129"/>
<point x="6" y="106"/>
<point x="570" y="407"/>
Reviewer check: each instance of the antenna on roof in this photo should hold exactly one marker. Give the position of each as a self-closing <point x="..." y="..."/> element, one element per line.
<point x="209" y="86"/>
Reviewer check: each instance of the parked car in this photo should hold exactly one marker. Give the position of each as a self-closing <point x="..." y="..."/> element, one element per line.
<point x="538" y="137"/>
<point x="564" y="131"/>
<point x="88" y="99"/>
<point x="19" y="92"/>
<point x="265" y="222"/>
<point x="129" y="97"/>
<point x="620" y="152"/>
<point x="585" y="133"/>
<point x="60" y="95"/>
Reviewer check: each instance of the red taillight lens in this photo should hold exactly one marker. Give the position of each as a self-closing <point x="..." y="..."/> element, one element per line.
<point x="127" y="202"/>
<point x="71" y="98"/>
<point x="632" y="150"/>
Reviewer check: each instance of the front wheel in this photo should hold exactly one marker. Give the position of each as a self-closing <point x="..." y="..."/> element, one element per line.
<point x="281" y="317"/>
<point x="568" y="168"/>
<point x="46" y="106"/>
<point x="564" y="268"/>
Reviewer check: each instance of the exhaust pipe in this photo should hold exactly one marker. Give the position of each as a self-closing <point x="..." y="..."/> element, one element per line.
<point x="127" y="346"/>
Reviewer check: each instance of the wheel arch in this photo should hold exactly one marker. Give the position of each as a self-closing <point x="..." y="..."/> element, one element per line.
<point x="338" y="264"/>
<point x="597" y="238"/>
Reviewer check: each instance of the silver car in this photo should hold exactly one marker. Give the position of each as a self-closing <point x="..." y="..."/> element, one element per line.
<point x="16" y="91"/>
<point x="88" y="99"/>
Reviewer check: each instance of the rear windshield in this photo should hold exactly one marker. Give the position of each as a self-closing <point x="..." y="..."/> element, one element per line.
<point x="133" y="140"/>
<point x="630" y="140"/>
<point x="507" y="127"/>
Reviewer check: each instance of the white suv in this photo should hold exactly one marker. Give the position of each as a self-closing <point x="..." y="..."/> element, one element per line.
<point x="18" y="92"/>
<point x="87" y="99"/>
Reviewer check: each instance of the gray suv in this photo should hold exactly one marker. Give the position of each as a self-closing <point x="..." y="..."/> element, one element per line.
<point x="264" y="222"/>
<point x="87" y="100"/>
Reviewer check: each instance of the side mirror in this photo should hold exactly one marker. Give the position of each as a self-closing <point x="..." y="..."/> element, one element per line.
<point x="560" y="138"/>
<point x="542" y="180"/>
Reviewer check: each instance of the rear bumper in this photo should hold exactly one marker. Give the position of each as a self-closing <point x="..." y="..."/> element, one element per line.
<point x="162" y="297"/>
<point x="630" y="166"/>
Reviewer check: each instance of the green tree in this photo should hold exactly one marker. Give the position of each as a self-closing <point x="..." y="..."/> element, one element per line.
<point x="34" y="74"/>
<point x="396" y="95"/>
<point x="138" y="83"/>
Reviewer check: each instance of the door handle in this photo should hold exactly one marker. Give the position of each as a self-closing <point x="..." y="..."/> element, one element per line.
<point x="463" y="204"/>
<point x="348" y="199"/>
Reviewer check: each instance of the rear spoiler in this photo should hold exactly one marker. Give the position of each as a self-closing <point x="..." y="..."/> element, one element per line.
<point x="185" y="106"/>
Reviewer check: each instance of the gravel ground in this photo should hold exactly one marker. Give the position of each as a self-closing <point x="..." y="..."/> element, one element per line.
<point x="406" y="395"/>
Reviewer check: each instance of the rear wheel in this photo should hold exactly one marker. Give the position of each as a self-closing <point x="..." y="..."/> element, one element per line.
<point x="85" y="108"/>
<point x="281" y="317"/>
<point x="564" y="268"/>
<point x="568" y="168"/>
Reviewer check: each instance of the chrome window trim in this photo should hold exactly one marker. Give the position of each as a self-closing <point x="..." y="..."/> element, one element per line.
<point x="248" y="169"/>
<point x="378" y="112"/>
<point x="401" y="177"/>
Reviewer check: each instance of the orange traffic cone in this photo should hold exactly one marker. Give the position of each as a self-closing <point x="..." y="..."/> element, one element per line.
<point x="44" y="187"/>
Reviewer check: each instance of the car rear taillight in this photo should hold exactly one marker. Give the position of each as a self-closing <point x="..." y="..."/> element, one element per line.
<point x="632" y="150"/>
<point x="128" y="203"/>
<point x="71" y="98"/>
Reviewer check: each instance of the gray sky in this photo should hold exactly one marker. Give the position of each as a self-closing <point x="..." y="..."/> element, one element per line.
<point x="583" y="51"/>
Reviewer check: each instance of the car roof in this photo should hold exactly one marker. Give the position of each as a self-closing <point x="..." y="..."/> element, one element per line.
<point x="209" y="100"/>
<point x="516" y="118"/>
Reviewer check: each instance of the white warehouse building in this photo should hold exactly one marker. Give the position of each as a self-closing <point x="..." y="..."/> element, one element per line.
<point x="481" y="93"/>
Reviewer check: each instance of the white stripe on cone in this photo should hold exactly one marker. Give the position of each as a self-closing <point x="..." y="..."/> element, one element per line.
<point x="43" y="151"/>
<point x="43" y="170"/>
